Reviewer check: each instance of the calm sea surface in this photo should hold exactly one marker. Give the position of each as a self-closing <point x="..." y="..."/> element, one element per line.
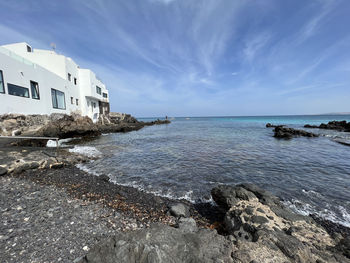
<point x="190" y="156"/>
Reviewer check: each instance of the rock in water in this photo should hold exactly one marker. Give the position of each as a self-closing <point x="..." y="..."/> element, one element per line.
<point x="332" y="125"/>
<point x="269" y="125"/>
<point x="288" y="133"/>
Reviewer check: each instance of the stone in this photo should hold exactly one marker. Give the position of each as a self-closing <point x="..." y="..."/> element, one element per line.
<point x="332" y="125"/>
<point x="56" y="165"/>
<point x="269" y="125"/>
<point x="179" y="210"/>
<point x="3" y="171"/>
<point x="259" y="219"/>
<point x="187" y="225"/>
<point x="288" y="133"/>
<point x="162" y="244"/>
<point x="344" y="246"/>
<point x="226" y="196"/>
<point x="279" y="235"/>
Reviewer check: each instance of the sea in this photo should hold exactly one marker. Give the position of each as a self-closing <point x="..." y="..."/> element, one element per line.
<point x="190" y="156"/>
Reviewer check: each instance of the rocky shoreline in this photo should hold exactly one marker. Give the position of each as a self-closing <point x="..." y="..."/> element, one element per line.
<point x="52" y="211"/>
<point x="64" y="126"/>
<point x="87" y="214"/>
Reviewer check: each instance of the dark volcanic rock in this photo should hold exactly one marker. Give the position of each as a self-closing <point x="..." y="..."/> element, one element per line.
<point x="179" y="210"/>
<point x="344" y="246"/>
<point x="332" y="125"/>
<point x="3" y="171"/>
<point x="269" y="125"/>
<point x="265" y="231"/>
<point x="70" y="126"/>
<point x="227" y="196"/>
<point x="288" y="133"/>
<point x="162" y="243"/>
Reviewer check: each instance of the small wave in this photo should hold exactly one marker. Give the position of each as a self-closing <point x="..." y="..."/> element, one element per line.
<point x="88" y="151"/>
<point x="86" y="169"/>
<point x="307" y="209"/>
<point x="312" y="193"/>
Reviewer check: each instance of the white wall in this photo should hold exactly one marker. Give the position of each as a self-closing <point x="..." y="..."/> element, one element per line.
<point x="50" y="70"/>
<point x="18" y="73"/>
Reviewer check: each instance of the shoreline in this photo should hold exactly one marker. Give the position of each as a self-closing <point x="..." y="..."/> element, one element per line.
<point x="48" y="206"/>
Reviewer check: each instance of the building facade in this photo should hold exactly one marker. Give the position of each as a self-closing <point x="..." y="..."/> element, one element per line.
<point x="35" y="81"/>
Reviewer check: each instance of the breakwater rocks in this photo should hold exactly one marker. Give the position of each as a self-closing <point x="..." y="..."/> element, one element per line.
<point x="332" y="125"/>
<point x="257" y="228"/>
<point x="68" y="126"/>
<point x="288" y="133"/>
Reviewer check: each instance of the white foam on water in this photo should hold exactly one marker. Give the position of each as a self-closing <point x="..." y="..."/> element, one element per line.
<point x="88" y="151"/>
<point x="86" y="169"/>
<point x="307" y="209"/>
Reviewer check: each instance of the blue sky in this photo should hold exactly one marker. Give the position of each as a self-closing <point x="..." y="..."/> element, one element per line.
<point x="199" y="57"/>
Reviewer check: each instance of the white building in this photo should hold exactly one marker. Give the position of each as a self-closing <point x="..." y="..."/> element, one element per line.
<point x="35" y="81"/>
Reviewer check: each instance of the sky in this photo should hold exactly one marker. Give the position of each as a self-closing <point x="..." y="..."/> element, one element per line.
<point x="199" y="57"/>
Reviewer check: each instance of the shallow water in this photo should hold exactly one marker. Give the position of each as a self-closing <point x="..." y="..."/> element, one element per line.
<point x="190" y="156"/>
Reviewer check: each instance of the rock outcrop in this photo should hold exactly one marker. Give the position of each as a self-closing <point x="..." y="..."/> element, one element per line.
<point x="67" y="126"/>
<point x="332" y="125"/>
<point x="288" y="133"/>
<point x="257" y="228"/>
<point x="263" y="230"/>
<point x="161" y="243"/>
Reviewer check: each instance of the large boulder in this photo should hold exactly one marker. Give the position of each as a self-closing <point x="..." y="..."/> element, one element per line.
<point x="263" y="230"/>
<point x="69" y="126"/>
<point x="227" y="196"/>
<point x="161" y="243"/>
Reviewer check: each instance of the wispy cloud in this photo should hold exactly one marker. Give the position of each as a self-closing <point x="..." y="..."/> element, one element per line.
<point x="196" y="56"/>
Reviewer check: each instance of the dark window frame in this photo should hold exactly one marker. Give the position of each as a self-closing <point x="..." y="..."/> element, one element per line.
<point x="69" y="77"/>
<point x="64" y="100"/>
<point x="105" y="95"/>
<point x="16" y="86"/>
<point x="98" y="90"/>
<point x="77" y="101"/>
<point x="31" y="89"/>
<point x="3" y="82"/>
<point x="29" y="48"/>
<point x="71" y="100"/>
<point x="75" y="81"/>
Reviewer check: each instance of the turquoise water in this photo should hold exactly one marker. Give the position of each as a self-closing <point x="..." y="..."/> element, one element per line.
<point x="190" y="156"/>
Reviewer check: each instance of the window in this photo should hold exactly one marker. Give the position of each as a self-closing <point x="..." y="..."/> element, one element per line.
<point x="94" y="104"/>
<point x="98" y="90"/>
<point x="34" y="86"/>
<point x="77" y="101"/>
<point x="29" y="49"/>
<point x="71" y="100"/>
<point x="17" y="90"/>
<point x="58" y="101"/>
<point x="105" y="95"/>
<point x="2" y="84"/>
<point x="75" y="81"/>
<point x="69" y="77"/>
